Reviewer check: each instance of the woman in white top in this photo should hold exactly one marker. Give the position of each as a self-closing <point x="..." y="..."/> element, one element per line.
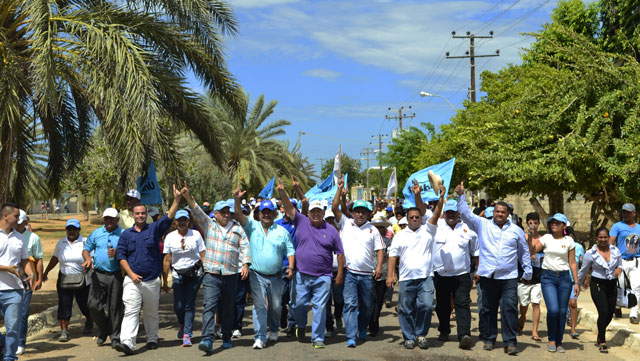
<point x="68" y="253"/>
<point x="184" y="253"/>
<point x="556" y="281"/>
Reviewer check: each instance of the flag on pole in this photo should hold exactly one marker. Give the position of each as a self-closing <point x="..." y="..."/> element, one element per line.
<point x="267" y="191"/>
<point x="149" y="188"/>
<point x="336" y="166"/>
<point x="393" y="184"/>
<point x="444" y="170"/>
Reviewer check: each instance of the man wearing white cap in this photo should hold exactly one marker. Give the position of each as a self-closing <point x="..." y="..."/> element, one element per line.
<point x="132" y="199"/>
<point x="105" y="293"/>
<point x="626" y="235"/>
<point x="34" y="251"/>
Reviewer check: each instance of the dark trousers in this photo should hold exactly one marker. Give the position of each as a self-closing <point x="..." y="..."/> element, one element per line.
<point x="105" y="294"/>
<point x="219" y="291"/>
<point x="603" y="294"/>
<point x="388" y="295"/>
<point x="502" y="293"/>
<point x="380" y="291"/>
<point x="458" y="287"/>
<point x="240" y="302"/>
<point x="65" y="301"/>
<point x="336" y="300"/>
<point x="286" y="297"/>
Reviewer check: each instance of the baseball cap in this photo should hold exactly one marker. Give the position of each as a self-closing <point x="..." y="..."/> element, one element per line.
<point x="153" y="211"/>
<point x="558" y="217"/>
<point x="452" y="205"/>
<point x="380" y="221"/>
<point x="73" y="223"/>
<point x="182" y="214"/>
<point x="328" y="214"/>
<point x="110" y="212"/>
<point x="293" y="201"/>
<point x="266" y="204"/>
<point x="629" y="207"/>
<point x="389" y="209"/>
<point x="488" y="212"/>
<point x="134" y="194"/>
<point x="22" y="217"/>
<point x="403" y="221"/>
<point x="361" y="203"/>
<point x="220" y="205"/>
<point x="316" y="204"/>
<point x="253" y="202"/>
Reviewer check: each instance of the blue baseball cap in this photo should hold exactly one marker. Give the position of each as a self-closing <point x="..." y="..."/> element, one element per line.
<point x="361" y="203"/>
<point x="220" y="205"/>
<point x="389" y="209"/>
<point x="293" y="201"/>
<point x="266" y="204"/>
<point x="212" y="214"/>
<point x="232" y="205"/>
<point x="73" y="223"/>
<point x="182" y="214"/>
<point x="452" y="205"/>
<point x="488" y="212"/>
<point x="558" y="217"/>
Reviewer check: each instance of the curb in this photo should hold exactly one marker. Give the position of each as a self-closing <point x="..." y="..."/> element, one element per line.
<point x="618" y="334"/>
<point x="47" y="318"/>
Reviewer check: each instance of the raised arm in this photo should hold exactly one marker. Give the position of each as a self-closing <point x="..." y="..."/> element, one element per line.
<point x="289" y="209"/>
<point x="343" y="204"/>
<point x="237" y="205"/>
<point x="438" y="210"/>
<point x="415" y="188"/>
<point x="177" y="195"/>
<point x="335" y="204"/>
<point x="473" y="221"/>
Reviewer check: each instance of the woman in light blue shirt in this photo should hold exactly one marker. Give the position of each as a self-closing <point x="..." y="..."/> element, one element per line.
<point x="605" y="263"/>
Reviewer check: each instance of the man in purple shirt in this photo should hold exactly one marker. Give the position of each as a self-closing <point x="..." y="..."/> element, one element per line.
<point x="317" y="242"/>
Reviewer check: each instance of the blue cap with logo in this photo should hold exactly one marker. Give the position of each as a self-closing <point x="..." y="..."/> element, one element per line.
<point x="558" y="217"/>
<point x="182" y="214"/>
<point x="266" y="204"/>
<point x="220" y="205"/>
<point x="488" y="212"/>
<point x="451" y="205"/>
<point x="363" y="204"/>
<point x="73" y="223"/>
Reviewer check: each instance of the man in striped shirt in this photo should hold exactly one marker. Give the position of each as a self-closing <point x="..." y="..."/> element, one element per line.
<point x="227" y="249"/>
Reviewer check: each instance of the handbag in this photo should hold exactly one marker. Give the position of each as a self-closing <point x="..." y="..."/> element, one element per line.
<point x="626" y="298"/>
<point x="190" y="273"/>
<point x="72" y="282"/>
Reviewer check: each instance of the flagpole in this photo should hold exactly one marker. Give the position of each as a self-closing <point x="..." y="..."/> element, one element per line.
<point x="395" y="193"/>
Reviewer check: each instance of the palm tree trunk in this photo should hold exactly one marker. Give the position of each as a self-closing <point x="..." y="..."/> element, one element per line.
<point x="6" y="145"/>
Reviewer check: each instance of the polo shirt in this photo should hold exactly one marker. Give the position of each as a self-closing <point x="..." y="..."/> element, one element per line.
<point x="12" y="251"/>
<point x="70" y="256"/>
<point x="453" y="249"/>
<point x="97" y="243"/>
<point x="360" y="245"/>
<point x="267" y="250"/>
<point x="316" y="246"/>
<point x="142" y="249"/>
<point x="34" y="245"/>
<point x="292" y="232"/>
<point x="414" y="251"/>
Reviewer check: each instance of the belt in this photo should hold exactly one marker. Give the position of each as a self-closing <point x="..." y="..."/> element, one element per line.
<point x="556" y="273"/>
<point x="105" y="272"/>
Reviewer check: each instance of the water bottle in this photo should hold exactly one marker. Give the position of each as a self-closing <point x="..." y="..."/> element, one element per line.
<point x="109" y="247"/>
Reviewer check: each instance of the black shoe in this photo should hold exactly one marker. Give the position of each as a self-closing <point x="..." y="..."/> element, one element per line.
<point x="88" y="327"/>
<point x="121" y="347"/>
<point x="114" y="343"/>
<point x="617" y="313"/>
<point x="465" y="342"/>
<point x="101" y="340"/>
<point x="511" y="350"/>
<point x="443" y="337"/>
<point x="152" y="346"/>
<point x="291" y="331"/>
<point x="300" y="334"/>
<point x="634" y="320"/>
<point x="488" y="346"/>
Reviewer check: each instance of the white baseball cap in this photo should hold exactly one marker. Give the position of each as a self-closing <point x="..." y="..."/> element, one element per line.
<point x="316" y="204"/>
<point x="22" y="217"/>
<point x="328" y="214"/>
<point x="153" y="211"/>
<point x="110" y="212"/>
<point x="134" y="194"/>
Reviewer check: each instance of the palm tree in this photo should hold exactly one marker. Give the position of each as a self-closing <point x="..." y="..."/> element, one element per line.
<point x="68" y="66"/>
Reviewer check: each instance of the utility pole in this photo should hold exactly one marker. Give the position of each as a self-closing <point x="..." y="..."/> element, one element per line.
<point x="321" y="163"/>
<point x="400" y="116"/>
<point x="472" y="56"/>
<point x="366" y="152"/>
<point x="380" y="144"/>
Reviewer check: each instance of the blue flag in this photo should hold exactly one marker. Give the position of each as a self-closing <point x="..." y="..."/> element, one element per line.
<point x="267" y="191"/>
<point x="149" y="188"/>
<point x="327" y="195"/>
<point x="326" y="185"/>
<point x="444" y="170"/>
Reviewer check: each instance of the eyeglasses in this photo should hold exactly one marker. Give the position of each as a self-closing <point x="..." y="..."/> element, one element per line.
<point x="414" y="217"/>
<point x="182" y="243"/>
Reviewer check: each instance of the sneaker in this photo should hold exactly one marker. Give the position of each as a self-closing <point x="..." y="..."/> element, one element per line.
<point x="273" y="337"/>
<point x="552" y="348"/>
<point x="634" y="320"/>
<point x="291" y="331"/>
<point x="152" y="346"/>
<point x="88" y="327"/>
<point x="121" y="347"/>
<point x="561" y="349"/>
<point x="226" y="344"/>
<point x="300" y="334"/>
<point x="64" y="336"/>
<point x="236" y="334"/>
<point x="206" y="346"/>
<point x="218" y="332"/>
<point x="181" y="332"/>
<point x="351" y="343"/>
<point x="409" y="344"/>
<point x="20" y="350"/>
<point x="318" y="344"/>
<point x="258" y="345"/>
<point x="511" y="350"/>
<point x="186" y="341"/>
<point x="465" y="342"/>
<point x="422" y="343"/>
<point x="362" y="335"/>
<point x="488" y="346"/>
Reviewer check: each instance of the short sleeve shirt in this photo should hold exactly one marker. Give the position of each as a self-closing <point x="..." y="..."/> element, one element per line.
<point x="556" y="252"/>
<point x="70" y="256"/>
<point x="34" y="245"/>
<point x="621" y="231"/>
<point x="187" y="256"/>
<point x="269" y="249"/>
<point x="360" y="245"/>
<point x="453" y="249"/>
<point x="316" y="246"/>
<point x="98" y="243"/>
<point x="414" y="250"/>
<point x="13" y="249"/>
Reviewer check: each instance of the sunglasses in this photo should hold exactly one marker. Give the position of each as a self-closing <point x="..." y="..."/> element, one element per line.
<point x="414" y="217"/>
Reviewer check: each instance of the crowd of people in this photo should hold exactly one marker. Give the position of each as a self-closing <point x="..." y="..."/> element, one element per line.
<point x="343" y="259"/>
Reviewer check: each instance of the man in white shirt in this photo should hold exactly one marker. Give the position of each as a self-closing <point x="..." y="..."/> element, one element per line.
<point x="362" y="243"/>
<point x="13" y="260"/>
<point x="455" y="246"/>
<point x="412" y="248"/>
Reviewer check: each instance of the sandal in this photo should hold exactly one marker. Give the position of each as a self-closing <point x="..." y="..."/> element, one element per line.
<point x="575" y="335"/>
<point x="536" y="338"/>
<point x="603" y="349"/>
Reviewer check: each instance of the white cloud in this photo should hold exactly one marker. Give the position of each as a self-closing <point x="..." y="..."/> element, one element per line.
<point x="325" y="74"/>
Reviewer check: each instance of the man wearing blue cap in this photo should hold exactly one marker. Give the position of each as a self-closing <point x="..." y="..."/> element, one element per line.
<point x="626" y="235"/>
<point x="140" y="257"/>
<point x="501" y="246"/>
<point x="362" y="245"/>
<point x="455" y="247"/>
<point x="269" y="243"/>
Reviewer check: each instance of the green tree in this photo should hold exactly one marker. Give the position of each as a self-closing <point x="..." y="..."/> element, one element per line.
<point x="404" y="149"/>
<point x="348" y="165"/>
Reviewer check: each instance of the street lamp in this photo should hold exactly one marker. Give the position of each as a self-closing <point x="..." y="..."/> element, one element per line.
<point x="425" y="94"/>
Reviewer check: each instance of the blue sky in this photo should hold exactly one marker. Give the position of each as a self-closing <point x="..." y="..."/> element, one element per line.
<point x="337" y="66"/>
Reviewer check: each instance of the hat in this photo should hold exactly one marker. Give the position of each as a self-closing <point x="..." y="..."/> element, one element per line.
<point x="22" y="217"/>
<point x="452" y="205"/>
<point x="403" y="221"/>
<point x="73" y="223"/>
<point x="361" y="203"/>
<point x="316" y="204"/>
<point x="380" y="221"/>
<point x="206" y="204"/>
<point x="267" y="204"/>
<point x="182" y="214"/>
<point x="488" y="212"/>
<point x="629" y="207"/>
<point x="153" y="211"/>
<point x="212" y="214"/>
<point x="389" y="209"/>
<point x="329" y="214"/>
<point x="134" y="194"/>
<point x="232" y="205"/>
<point x="293" y="201"/>
<point x="110" y="212"/>
<point x="558" y="217"/>
<point x="220" y="206"/>
<point x="244" y="201"/>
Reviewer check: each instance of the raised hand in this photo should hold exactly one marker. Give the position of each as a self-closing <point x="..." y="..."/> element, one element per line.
<point x="176" y="192"/>
<point x="415" y="188"/>
<point x="238" y="194"/>
<point x="443" y="192"/>
<point x="341" y="183"/>
<point x="280" y="186"/>
<point x="294" y="183"/>
<point x="460" y="189"/>
<point x="185" y="191"/>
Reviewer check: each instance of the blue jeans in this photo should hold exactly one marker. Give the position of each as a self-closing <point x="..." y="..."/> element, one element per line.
<point x="184" y="302"/>
<point x="358" y="290"/>
<point x="503" y="293"/>
<point x="287" y="315"/>
<point x="265" y="288"/>
<point x="415" y="307"/>
<point x="556" y="289"/>
<point x="241" y="303"/>
<point x="24" y="318"/>
<point x="313" y="289"/>
<point x="10" y="305"/>
<point x="219" y="291"/>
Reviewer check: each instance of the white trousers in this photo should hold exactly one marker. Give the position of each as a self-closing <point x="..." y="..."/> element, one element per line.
<point x="632" y="270"/>
<point x="134" y="296"/>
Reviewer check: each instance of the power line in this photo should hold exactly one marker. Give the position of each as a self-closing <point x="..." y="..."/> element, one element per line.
<point x="524" y="17"/>
<point x="479" y="16"/>
<point x="497" y="17"/>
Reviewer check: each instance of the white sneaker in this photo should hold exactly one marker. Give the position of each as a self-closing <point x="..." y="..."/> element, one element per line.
<point x="273" y="337"/>
<point x="20" y="350"/>
<point x="236" y="334"/>
<point x="259" y="344"/>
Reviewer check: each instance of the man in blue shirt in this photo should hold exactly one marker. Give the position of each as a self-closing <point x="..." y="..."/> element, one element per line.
<point x="139" y="254"/>
<point x="502" y="245"/>
<point x="625" y="235"/>
<point x="269" y="243"/>
<point x="106" y="280"/>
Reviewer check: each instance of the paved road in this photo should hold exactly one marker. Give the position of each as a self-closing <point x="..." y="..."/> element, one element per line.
<point x="385" y="346"/>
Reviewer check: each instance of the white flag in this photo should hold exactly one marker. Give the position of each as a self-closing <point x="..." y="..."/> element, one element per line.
<point x="393" y="184"/>
<point x="336" y="166"/>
